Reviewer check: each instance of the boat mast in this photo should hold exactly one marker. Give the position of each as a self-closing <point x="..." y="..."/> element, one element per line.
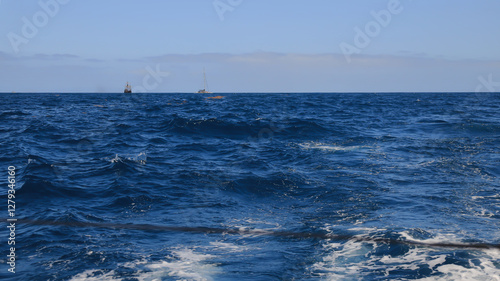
<point x="204" y="80"/>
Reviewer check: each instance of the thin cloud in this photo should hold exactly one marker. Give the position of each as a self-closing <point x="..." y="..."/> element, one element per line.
<point x="54" y="56"/>
<point x="48" y="57"/>
<point x="271" y="58"/>
<point x="248" y="72"/>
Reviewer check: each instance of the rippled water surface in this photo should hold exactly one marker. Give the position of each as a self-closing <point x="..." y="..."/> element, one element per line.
<point x="409" y="167"/>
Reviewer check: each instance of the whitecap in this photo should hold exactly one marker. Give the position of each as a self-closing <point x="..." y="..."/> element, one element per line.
<point x="95" y="275"/>
<point x="229" y="247"/>
<point x="354" y="260"/>
<point x="182" y="264"/>
<point x="329" y="147"/>
<point x="140" y="158"/>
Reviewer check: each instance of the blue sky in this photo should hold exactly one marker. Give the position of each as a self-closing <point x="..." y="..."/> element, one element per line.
<point x="249" y="45"/>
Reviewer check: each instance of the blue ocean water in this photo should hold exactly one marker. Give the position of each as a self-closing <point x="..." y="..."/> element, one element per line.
<point x="404" y="167"/>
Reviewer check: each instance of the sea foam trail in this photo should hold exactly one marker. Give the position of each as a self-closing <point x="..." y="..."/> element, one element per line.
<point x="270" y="232"/>
<point x="183" y="263"/>
<point x="369" y="260"/>
<point x="330" y="147"/>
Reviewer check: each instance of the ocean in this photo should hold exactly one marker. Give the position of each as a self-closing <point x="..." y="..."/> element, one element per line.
<point x="251" y="186"/>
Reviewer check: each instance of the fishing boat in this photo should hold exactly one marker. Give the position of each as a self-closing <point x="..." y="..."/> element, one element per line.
<point x="128" y="89"/>
<point x="205" y="85"/>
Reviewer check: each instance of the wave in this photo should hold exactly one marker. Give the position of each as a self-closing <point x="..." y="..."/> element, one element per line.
<point x="136" y="203"/>
<point x="40" y="128"/>
<point x="154" y="108"/>
<point x="353" y="260"/>
<point x="37" y="188"/>
<point x="182" y="264"/>
<point x="42" y="178"/>
<point x="140" y="158"/>
<point x="482" y="128"/>
<point x="329" y="147"/>
<point x="257" y="128"/>
<point x="209" y="127"/>
<point x="277" y="184"/>
<point x="308" y="127"/>
<point x="13" y="113"/>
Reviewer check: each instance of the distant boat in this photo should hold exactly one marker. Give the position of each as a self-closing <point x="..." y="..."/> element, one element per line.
<point x="128" y="89"/>
<point x="205" y="85"/>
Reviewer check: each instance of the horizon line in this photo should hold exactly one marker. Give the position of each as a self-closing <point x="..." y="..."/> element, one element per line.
<point x="259" y="92"/>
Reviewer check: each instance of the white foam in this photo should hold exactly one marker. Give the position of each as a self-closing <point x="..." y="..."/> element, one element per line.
<point x="328" y="147"/>
<point x="439" y="238"/>
<point x="354" y="260"/>
<point x="484" y="268"/>
<point x="183" y="264"/>
<point x="496" y="196"/>
<point x="366" y="229"/>
<point x="229" y="247"/>
<point x="186" y="265"/>
<point x="140" y="158"/>
<point x="134" y="263"/>
<point x="116" y="159"/>
<point x="249" y="227"/>
<point x="95" y="275"/>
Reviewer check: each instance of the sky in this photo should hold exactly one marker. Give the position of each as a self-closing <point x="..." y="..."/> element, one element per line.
<point x="250" y="45"/>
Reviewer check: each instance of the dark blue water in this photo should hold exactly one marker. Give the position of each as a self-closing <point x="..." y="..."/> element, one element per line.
<point x="409" y="167"/>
